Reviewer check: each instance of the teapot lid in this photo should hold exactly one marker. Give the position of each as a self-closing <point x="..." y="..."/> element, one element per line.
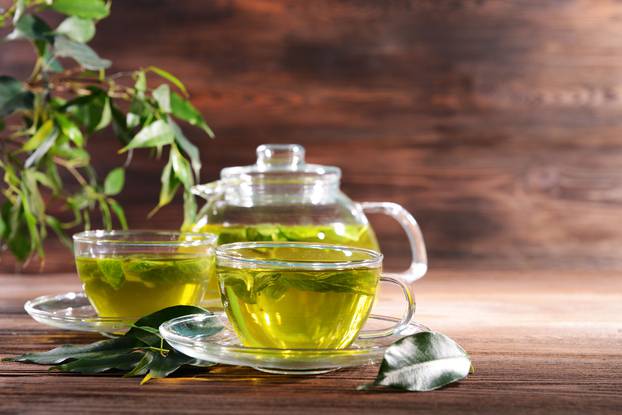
<point x="282" y="161"/>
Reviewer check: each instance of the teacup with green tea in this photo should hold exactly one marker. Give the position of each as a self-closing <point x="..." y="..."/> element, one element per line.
<point x="295" y="295"/>
<point x="130" y="274"/>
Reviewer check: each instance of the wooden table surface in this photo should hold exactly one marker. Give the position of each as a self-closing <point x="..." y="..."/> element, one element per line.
<point x="542" y="342"/>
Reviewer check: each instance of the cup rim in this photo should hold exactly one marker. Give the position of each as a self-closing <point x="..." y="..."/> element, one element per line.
<point x="224" y="258"/>
<point x="146" y="238"/>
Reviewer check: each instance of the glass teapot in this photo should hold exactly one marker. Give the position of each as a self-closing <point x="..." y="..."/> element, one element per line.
<point x="282" y="198"/>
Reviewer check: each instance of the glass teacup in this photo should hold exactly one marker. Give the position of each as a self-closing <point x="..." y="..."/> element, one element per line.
<point x="134" y="273"/>
<point x="301" y="295"/>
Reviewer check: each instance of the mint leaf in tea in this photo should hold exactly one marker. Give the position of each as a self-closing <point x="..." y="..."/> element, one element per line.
<point x="361" y="236"/>
<point x="136" y="285"/>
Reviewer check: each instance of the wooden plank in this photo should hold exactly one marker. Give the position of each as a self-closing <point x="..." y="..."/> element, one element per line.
<point x="541" y="342"/>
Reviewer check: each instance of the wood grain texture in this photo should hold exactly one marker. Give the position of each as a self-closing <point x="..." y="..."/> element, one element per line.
<point x="541" y="343"/>
<point x="496" y="122"/>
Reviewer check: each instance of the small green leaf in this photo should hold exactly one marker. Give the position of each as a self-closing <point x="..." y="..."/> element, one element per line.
<point x="181" y="168"/>
<point x="39" y="137"/>
<point x="141" y="81"/>
<point x="132" y="120"/>
<point x="155" y="134"/>
<point x="87" y="9"/>
<point x="169" y="77"/>
<point x="170" y="184"/>
<point x="118" y="211"/>
<point x="13" y="96"/>
<point x="112" y="272"/>
<point x="162" y="95"/>
<point x="48" y="142"/>
<point x="114" y="181"/>
<point x="31" y="27"/>
<point x="70" y="129"/>
<point x="184" y="110"/>
<point x="190" y="149"/>
<point x="81" y="53"/>
<point x="78" y="29"/>
<point x="106" y="117"/>
<point x="423" y="362"/>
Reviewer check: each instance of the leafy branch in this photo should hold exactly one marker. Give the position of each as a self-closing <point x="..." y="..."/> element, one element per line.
<point x="47" y="119"/>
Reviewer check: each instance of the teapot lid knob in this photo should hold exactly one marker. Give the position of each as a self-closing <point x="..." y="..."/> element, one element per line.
<point x="282" y="156"/>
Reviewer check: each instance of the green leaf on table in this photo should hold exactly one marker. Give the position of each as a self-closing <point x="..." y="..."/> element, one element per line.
<point x="31" y="27"/>
<point x="422" y="362"/>
<point x="87" y="9"/>
<point x="169" y="77"/>
<point x="141" y="351"/>
<point x="77" y="28"/>
<point x="184" y="110"/>
<point x="114" y="181"/>
<point x="13" y="96"/>
<point x="81" y="53"/>
<point x="155" y="134"/>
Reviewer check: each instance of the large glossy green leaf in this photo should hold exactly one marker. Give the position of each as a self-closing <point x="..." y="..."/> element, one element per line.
<point x="81" y="53"/>
<point x="423" y="362"/>
<point x="76" y="28"/>
<point x="114" y="181"/>
<point x="155" y="134"/>
<point x="13" y="96"/>
<point x="88" y="9"/>
<point x="184" y="110"/>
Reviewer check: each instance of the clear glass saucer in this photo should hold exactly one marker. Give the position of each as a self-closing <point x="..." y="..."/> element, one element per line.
<point x="211" y="338"/>
<point x="73" y="311"/>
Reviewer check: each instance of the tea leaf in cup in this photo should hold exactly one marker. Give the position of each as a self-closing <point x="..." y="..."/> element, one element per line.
<point x="422" y="362"/>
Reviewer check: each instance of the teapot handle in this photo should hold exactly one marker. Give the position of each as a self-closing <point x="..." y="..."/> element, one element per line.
<point x="419" y="264"/>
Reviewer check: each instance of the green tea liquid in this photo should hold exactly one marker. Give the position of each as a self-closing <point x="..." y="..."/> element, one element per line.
<point x="137" y="285"/>
<point x="297" y="309"/>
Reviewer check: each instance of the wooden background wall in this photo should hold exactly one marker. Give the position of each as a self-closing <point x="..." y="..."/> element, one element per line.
<point x="497" y="123"/>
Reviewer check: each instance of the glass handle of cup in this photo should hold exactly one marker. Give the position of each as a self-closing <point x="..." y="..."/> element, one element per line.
<point x="406" y="318"/>
<point x="419" y="264"/>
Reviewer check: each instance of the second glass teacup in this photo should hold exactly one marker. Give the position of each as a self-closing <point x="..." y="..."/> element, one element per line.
<point x="129" y="274"/>
<point x="301" y="295"/>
